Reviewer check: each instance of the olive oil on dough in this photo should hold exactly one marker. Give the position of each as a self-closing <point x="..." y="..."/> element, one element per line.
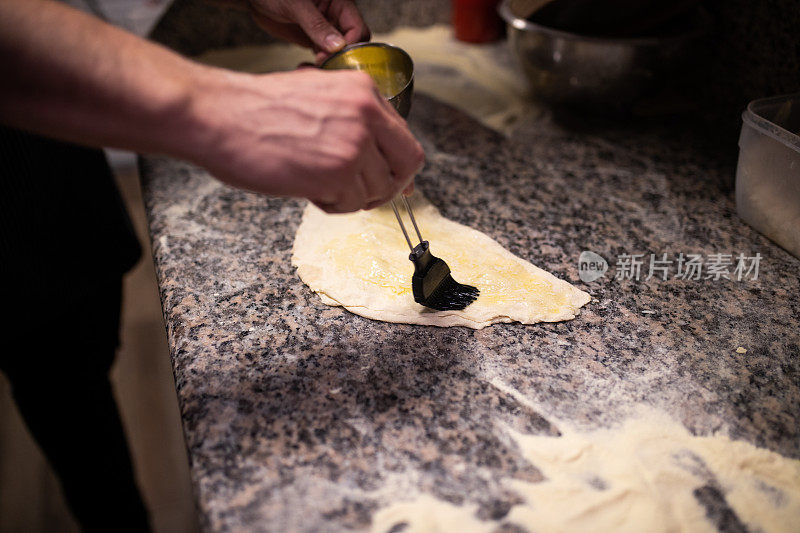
<point x="639" y="476"/>
<point x="360" y="261"/>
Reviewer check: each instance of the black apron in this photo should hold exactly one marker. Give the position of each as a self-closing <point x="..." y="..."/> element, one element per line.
<point x="65" y="242"/>
<point x="62" y="219"/>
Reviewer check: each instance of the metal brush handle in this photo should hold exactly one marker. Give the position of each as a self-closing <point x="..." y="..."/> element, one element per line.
<point x="400" y="221"/>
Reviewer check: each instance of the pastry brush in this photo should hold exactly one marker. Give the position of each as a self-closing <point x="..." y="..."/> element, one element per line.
<point x="432" y="284"/>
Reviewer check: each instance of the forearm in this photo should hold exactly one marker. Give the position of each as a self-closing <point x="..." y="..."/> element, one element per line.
<point x="69" y="75"/>
<point x="320" y="135"/>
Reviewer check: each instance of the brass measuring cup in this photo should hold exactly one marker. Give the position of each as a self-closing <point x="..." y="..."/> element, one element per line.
<point x="389" y="66"/>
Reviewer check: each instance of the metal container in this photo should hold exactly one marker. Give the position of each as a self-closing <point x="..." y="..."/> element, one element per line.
<point x="593" y="72"/>
<point x="768" y="173"/>
<point x="389" y="66"/>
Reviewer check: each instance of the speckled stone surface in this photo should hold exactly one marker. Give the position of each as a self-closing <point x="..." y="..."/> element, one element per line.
<point x="299" y="416"/>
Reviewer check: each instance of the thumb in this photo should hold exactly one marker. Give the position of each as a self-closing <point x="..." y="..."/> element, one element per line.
<point x="316" y="26"/>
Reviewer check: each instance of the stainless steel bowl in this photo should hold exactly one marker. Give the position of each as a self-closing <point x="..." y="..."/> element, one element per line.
<point x="593" y="72"/>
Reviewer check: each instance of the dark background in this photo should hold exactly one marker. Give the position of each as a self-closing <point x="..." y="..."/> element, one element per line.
<point x="752" y="49"/>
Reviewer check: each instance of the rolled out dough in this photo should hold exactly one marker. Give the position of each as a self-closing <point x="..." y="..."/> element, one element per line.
<point x="360" y="261"/>
<point x="648" y="474"/>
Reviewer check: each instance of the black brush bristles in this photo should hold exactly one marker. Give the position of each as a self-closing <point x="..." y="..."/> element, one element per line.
<point x="433" y="286"/>
<point x="451" y="295"/>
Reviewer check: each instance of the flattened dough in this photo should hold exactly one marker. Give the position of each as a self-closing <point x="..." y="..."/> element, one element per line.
<point x="360" y="261"/>
<point x="648" y="474"/>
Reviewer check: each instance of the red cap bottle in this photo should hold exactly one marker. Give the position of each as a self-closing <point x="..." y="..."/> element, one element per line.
<point x="477" y="21"/>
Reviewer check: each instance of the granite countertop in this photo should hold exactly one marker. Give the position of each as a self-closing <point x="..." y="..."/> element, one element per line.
<point x="300" y="416"/>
